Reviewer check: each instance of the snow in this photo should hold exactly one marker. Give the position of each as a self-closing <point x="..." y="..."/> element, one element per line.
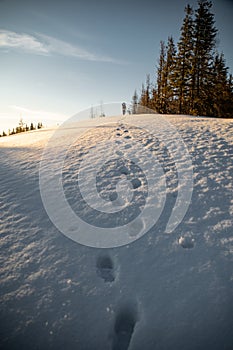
<point x="163" y="289"/>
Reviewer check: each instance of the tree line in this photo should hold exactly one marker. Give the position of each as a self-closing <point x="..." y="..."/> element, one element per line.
<point x="22" y="127"/>
<point x="191" y="76"/>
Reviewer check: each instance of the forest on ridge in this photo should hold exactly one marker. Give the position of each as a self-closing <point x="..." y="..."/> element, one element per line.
<point x="191" y="76"/>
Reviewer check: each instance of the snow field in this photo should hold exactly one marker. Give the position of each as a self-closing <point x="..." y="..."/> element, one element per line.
<point x="162" y="291"/>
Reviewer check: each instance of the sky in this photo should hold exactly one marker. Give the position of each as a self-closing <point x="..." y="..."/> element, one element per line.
<point x="60" y="57"/>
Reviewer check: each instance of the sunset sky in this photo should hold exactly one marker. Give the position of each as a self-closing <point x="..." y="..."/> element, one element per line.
<point x="58" y="57"/>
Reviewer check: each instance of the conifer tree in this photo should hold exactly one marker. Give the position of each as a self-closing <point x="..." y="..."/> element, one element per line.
<point x="145" y="99"/>
<point x="193" y="80"/>
<point x="204" y="45"/>
<point x="21" y="125"/>
<point x="230" y="97"/>
<point x="165" y="92"/>
<point x="169" y="105"/>
<point x="154" y="98"/>
<point x="142" y="100"/>
<point x="148" y="91"/>
<point x="222" y="91"/>
<point x="160" y="78"/>
<point x="183" y="69"/>
<point x="135" y="102"/>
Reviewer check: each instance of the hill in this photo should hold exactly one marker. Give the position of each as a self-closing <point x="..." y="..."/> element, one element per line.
<point x="154" y="278"/>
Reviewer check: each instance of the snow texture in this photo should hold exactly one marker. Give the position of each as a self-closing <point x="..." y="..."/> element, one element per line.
<point x="163" y="291"/>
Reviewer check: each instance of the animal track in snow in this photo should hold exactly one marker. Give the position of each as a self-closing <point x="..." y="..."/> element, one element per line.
<point x="128" y="146"/>
<point x="119" y="153"/>
<point x="105" y="268"/>
<point x="136" y="183"/>
<point x="187" y="241"/>
<point x="124" y="328"/>
<point x="113" y="196"/>
<point x="124" y="170"/>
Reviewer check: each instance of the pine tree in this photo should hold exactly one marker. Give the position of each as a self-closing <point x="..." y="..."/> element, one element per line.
<point x="160" y="78"/>
<point x="154" y="98"/>
<point x="145" y="99"/>
<point x="148" y="91"/>
<point x="165" y="95"/>
<point x="229" y="102"/>
<point x="222" y="90"/>
<point x="142" y="100"/>
<point x="193" y="80"/>
<point x="169" y="87"/>
<point x="183" y="69"/>
<point x="21" y="125"/>
<point x="204" y="45"/>
<point x="135" y="102"/>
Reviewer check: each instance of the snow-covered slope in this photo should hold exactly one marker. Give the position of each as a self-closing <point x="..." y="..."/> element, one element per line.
<point x="163" y="291"/>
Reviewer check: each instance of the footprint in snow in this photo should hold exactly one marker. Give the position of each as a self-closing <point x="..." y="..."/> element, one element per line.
<point x="127" y="146"/>
<point x="105" y="268"/>
<point x="113" y="196"/>
<point x="186" y="241"/>
<point x="136" y="183"/>
<point x="124" y="328"/>
<point x="124" y="170"/>
<point x="119" y="153"/>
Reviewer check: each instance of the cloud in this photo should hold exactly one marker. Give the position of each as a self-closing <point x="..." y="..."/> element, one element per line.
<point x="61" y="47"/>
<point x="21" y="41"/>
<point x="46" y="45"/>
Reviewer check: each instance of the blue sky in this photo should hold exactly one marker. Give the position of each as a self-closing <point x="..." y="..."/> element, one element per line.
<point x="58" y="57"/>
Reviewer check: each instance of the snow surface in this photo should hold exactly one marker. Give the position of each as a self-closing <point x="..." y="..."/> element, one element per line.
<point x="162" y="291"/>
